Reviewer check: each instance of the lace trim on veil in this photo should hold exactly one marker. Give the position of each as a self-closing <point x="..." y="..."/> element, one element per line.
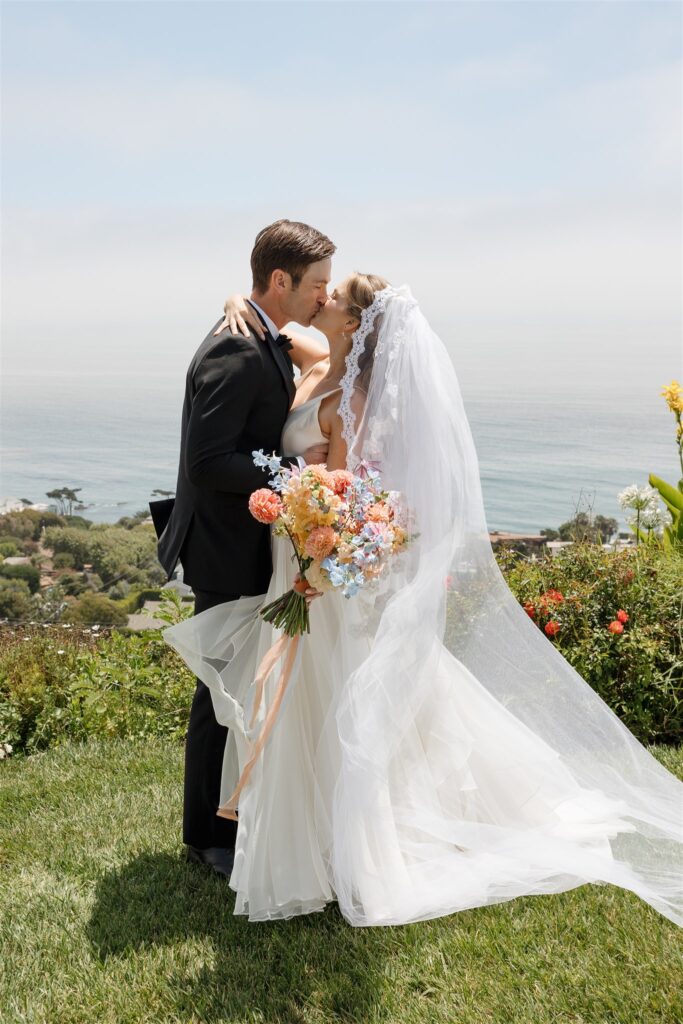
<point x="367" y="321"/>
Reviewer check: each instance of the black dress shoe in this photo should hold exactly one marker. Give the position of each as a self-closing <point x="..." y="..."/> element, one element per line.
<point x="218" y="858"/>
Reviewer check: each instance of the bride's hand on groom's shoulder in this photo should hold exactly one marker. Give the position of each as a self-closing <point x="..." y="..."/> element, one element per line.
<point x="238" y="313"/>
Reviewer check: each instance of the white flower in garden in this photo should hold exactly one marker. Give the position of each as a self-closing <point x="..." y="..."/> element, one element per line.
<point x="61" y="652"/>
<point x="638" y="498"/>
<point x="651" y="518"/>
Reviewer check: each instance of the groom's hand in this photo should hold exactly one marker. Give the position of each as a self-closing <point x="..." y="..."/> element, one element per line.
<point x="316" y="454"/>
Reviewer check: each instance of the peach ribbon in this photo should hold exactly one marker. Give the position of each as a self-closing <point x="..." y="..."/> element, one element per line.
<point x="288" y="645"/>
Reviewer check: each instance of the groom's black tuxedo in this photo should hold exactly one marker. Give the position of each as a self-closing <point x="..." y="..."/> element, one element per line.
<point x="237" y="395"/>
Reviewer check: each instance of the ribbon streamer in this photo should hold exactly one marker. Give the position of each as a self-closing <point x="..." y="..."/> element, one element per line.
<point x="289" y="645"/>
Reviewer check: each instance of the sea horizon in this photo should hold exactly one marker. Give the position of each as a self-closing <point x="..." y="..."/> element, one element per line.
<point x="544" y="453"/>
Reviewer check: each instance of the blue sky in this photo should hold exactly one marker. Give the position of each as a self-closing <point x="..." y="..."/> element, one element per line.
<point x="517" y="163"/>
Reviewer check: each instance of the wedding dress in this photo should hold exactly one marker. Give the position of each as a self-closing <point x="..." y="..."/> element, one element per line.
<point x="434" y="751"/>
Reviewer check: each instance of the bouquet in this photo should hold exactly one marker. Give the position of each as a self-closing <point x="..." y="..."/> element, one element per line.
<point x="344" y="529"/>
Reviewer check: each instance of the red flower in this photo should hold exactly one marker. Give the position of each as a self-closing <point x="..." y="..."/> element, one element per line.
<point x="550" y="597"/>
<point x="616" y="627"/>
<point x="530" y="609"/>
<point x="622" y="615"/>
<point x="628" y="575"/>
<point x="552" y="627"/>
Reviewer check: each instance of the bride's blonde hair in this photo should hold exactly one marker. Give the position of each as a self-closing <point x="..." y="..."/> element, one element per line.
<point x="360" y="291"/>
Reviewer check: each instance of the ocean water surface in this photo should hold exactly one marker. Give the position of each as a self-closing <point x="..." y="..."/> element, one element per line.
<point x="543" y="453"/>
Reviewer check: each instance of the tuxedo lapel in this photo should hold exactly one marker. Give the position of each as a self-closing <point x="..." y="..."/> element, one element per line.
<point x="283" y="365"/>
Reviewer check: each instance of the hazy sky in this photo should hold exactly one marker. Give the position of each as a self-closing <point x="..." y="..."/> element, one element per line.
<point x="517" y="163"/>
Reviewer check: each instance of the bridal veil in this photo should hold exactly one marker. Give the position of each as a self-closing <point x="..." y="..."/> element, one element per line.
<point x="447" y="598"/>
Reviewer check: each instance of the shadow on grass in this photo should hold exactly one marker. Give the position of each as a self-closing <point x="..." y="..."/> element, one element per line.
<point x="276" y="969"/>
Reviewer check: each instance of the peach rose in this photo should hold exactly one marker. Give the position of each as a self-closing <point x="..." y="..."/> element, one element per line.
<point x="341" y="478"/>
<point x="320" y="542"/>
<point x="616" y="627"/>
<point x="265" y="505"/>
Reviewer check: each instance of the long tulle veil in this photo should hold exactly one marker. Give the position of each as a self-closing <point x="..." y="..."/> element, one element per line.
<point x="447" y="593"/>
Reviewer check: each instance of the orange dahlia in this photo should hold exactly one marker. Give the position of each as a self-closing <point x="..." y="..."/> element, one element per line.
<point x="265" y="505"/>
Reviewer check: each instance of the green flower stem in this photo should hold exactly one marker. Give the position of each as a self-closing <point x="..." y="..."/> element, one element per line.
<point x="289" y="612"/>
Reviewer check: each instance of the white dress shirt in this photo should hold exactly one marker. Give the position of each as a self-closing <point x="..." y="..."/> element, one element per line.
<point x="269" y="323"/>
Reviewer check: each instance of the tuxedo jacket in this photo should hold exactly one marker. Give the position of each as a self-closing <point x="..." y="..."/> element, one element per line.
<point x="237" y="396"/>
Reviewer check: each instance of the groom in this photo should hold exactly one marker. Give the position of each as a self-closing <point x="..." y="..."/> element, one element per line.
<point x="237" y="396"/>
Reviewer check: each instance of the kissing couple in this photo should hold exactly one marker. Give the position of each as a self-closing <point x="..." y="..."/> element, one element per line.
<point x="426" y="749"/>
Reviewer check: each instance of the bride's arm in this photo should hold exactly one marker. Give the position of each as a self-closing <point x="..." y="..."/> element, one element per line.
<point x="239" y="317"/>
<point x="305" y="351"/>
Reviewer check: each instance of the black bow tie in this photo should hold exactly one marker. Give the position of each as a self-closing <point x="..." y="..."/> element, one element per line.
<point x="283" y="341"/>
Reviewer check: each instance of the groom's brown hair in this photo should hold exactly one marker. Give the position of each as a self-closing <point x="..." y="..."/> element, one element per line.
<point x="287" y="245"/>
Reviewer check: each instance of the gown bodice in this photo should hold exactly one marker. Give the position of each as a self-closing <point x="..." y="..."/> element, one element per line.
<point x="302" y="427"/>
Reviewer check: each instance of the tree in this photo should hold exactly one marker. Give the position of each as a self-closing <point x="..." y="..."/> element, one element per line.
<point x="584" y="528"/>
<point x="66" y="498"/>
<point x="606" y="527"/>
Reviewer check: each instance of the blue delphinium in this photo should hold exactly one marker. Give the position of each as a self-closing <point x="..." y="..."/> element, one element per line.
<point x="273" y="463"/>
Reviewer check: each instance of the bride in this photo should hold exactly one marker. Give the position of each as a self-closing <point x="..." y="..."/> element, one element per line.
<point x="434" y="751"/>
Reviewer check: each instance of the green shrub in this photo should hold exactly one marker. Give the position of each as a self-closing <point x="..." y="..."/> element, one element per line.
<point x="9" y="549"/>
<point x="18" y="542"/>
<point x="15" y="599"/>
<point x="68" y="683"/>
<point x="112" y="551"/>
<point x="77" y="522"/>
<point x="137" y="598"/>
<point x="96" y="609"/>
<point x="637" y="672"/>
<point x="63" y="560"/>
<point x="28" y="573"/>
<point x="28" y="523"/>
<point x="74" y="584"/>
<point x="120" y="593"/>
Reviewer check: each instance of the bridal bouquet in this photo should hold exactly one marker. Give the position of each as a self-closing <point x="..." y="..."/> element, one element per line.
<point x="343" y="528"/>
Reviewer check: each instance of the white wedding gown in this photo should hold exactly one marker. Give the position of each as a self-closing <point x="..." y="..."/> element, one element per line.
<point x="477" y="809"/>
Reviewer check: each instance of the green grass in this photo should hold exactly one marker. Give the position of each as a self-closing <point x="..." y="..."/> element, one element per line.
<point x="102" y="920"/>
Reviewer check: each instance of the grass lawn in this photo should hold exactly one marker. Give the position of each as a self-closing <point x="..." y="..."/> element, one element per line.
<point x="102" y="920"/>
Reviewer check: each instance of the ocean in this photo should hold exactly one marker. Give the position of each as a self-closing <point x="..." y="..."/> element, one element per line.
<point x="543" y="452"/>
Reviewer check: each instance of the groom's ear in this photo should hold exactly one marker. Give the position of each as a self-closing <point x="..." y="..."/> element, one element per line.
<point x="280" y="281"/>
